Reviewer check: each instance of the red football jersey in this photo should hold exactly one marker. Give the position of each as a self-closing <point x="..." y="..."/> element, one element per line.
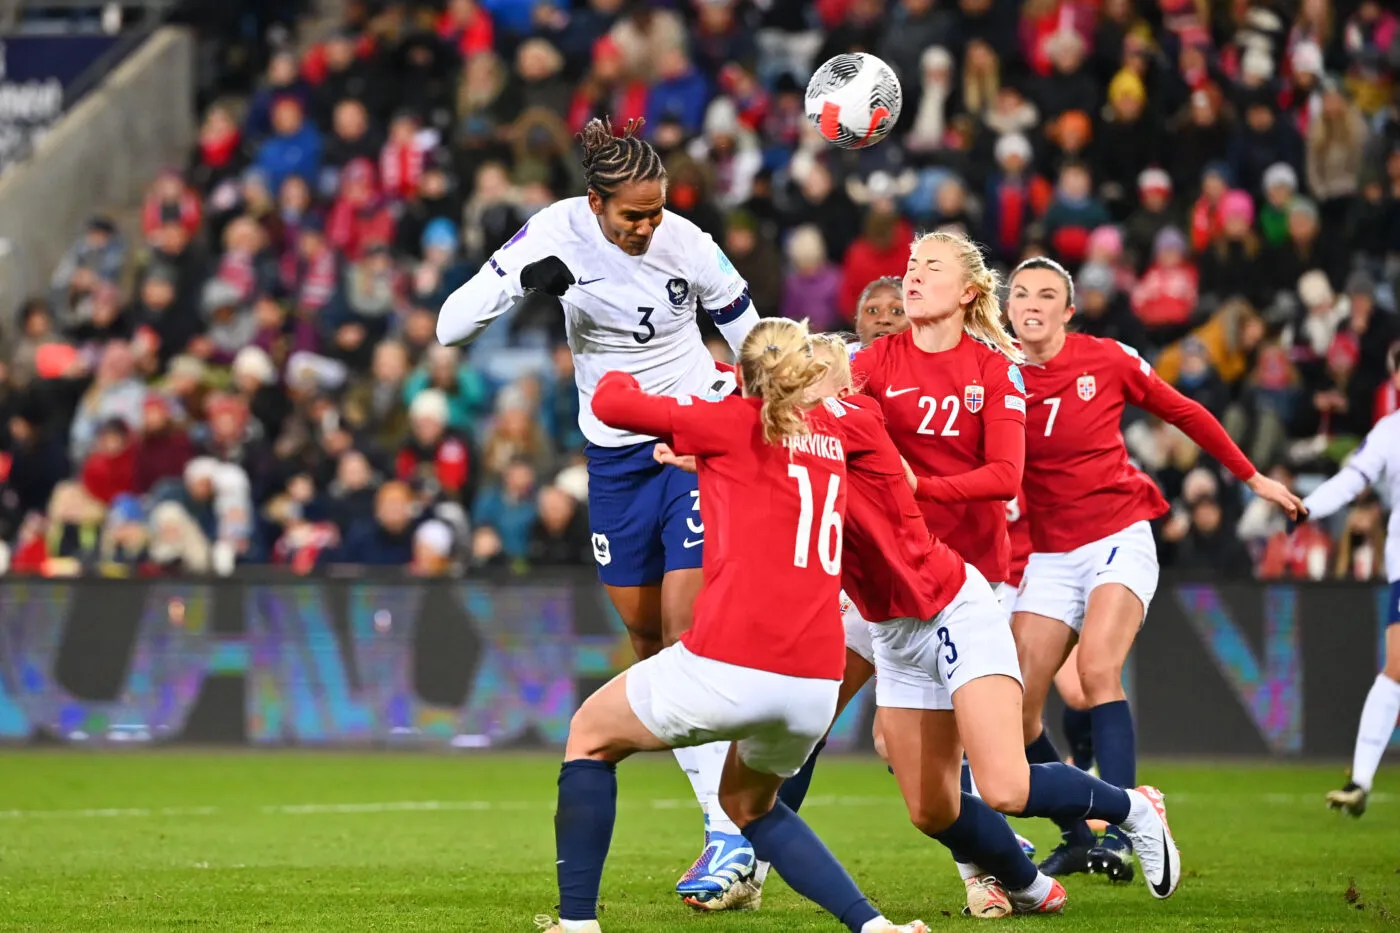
<point x="892" y="567"/>
<point x="937" y="407"/>
<point x="773" y="527"/>
<point x="1018" y="528"/>
<point x="1079" y="486"/>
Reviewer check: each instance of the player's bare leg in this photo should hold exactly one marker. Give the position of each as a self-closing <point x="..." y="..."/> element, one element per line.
<point x="725" y="851"/>
<point x="1111" y="621"/>
<point x="748" y="895"/>
<point x="925" y="752"/>
<point x="1374" y="731"/>
<point x="1042" y="645"/>
<point x="1077" y="723"/>
<point x="640" y="610"/>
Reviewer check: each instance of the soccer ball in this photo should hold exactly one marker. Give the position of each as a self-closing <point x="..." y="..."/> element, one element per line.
<point x="854" y="100"/>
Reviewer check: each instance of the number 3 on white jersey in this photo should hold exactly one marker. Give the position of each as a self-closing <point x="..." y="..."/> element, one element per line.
<point x="950" y="404"/>
<point x="829" y="533"/>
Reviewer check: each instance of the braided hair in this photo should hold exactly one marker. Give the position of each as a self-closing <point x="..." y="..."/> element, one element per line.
<point x="609" y="161"/>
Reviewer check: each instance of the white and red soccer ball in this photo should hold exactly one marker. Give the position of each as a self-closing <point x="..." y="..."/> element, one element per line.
<point x="854" y="100"/>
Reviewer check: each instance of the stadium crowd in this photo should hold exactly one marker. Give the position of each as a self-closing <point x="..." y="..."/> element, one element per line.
<point x="255" y="380"/>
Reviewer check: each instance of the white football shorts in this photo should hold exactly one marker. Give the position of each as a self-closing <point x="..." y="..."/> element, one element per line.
<point x="920" y="664"/>
<point x="857" y="629"/>
<point x="1058" y="585"/>
<point x="775" y="719"/>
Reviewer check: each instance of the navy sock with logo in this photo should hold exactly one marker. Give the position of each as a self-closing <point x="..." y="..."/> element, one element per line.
<point x="1073" y="830"/>
<point x="583" y="826"/>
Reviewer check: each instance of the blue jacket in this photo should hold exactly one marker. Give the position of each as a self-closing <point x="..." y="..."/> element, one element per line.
<point x="281" y="157"/>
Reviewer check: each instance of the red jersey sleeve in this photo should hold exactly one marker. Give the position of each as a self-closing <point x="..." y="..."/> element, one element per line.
<point x="1148" y="391"/>
<point x="867" y="371"/>
<point x="689" y="425"/>
<point x="1006" y="392"/>
<point x="866" y="436"/>
<point x="1003" y="443"/>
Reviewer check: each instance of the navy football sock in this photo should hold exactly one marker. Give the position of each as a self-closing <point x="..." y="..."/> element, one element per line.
<point x="1079" y="732"/>
<point x="583" y="826"/>
<point x="780" y="838"/>
<point x="1063" y="792"/>
<point x="794" y="789"/>
<point x="1073" y="830"/>
<point x="1116" y="743"/>
<point x="982" y="836"/>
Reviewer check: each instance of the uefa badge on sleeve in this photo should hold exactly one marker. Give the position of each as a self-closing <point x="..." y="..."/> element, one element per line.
<point x="972" y="398"/>
<point x="1087" y="388"/>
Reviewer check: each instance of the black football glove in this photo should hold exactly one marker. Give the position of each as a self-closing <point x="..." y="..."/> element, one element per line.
<point x="548" y="275"/>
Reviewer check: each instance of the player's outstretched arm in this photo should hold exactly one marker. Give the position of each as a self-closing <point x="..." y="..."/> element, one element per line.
<point x="619" y="402"/>
<point x="996" y="480"/>
<point x="491" y="292"/>
<point x="1365" y="468"/>
<point x="1159" y="398"/>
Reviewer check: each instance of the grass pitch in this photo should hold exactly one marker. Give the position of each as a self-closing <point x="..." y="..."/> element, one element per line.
<point x="178" y="840"/>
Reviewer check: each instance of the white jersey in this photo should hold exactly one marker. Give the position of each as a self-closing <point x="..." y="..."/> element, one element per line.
<point x="1376" y="461"/>
<point x="630" y="313"/>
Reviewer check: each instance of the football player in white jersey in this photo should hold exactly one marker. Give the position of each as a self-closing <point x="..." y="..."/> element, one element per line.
<point x="1376" y="461"/>
<point x="630" y="276"/>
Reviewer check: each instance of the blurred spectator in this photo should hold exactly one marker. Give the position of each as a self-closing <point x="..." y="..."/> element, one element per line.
<point x="757" y="261"/>
<point x="386" y="539"/>
<point x="110" y="468"/>
<point x="293" y="149"/>
<point x="433" y="458"/>
<point x="811" y="289"/>
<point x="432" y="549"/>
<point x="559" y="536"/>
<point x="1165" y="297"/>
<point x="508" y="508"/>
<point x="163" y="449"/>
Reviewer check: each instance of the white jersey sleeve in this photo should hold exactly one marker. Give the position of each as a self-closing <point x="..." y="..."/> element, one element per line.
<point x="1376" y="463"/>
<point x="722" y="291"/>
<point x="496" y="286"/>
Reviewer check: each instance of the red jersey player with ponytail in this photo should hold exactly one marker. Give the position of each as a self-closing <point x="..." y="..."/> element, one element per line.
<point x="951" y="394"/>
<point x="1093" y="567"/>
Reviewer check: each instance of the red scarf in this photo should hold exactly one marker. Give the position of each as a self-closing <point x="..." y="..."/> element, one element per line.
<point x="216" y="153"/>
<point x="401" y="169"/>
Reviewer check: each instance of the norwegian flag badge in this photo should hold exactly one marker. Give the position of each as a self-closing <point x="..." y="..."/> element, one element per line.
<point x="972" y="398"/>
<point x="1087" y="387"/>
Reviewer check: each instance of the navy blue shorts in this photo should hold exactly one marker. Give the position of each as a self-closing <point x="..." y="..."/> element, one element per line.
<point x="1393" y="615"/>
<point x="645" y="517"/>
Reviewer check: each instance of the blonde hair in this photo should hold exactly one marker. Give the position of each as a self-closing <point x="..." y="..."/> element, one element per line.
<point x="983" y="320"/>
<point x="778" y="365"/>
<point x="835" y="350"/>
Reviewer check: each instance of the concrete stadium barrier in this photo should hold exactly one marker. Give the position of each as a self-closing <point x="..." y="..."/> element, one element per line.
<point x="98" y="157"/>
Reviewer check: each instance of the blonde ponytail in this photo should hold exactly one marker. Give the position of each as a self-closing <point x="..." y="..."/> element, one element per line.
<point x="778" y="366"/>
<point x="982" y="318"/>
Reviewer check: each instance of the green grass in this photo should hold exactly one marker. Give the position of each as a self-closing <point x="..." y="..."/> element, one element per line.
<point x="211" y="841"/>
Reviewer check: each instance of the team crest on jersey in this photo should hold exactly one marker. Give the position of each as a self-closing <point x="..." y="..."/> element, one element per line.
<point x="1087" y="387"/>
<point x="678" y="290"/>
<point x="972" y="398"/>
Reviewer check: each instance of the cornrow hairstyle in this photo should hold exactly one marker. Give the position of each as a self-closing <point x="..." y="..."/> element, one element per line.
<point x="611" y="161"/>
<point x="1045" y="262"/>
